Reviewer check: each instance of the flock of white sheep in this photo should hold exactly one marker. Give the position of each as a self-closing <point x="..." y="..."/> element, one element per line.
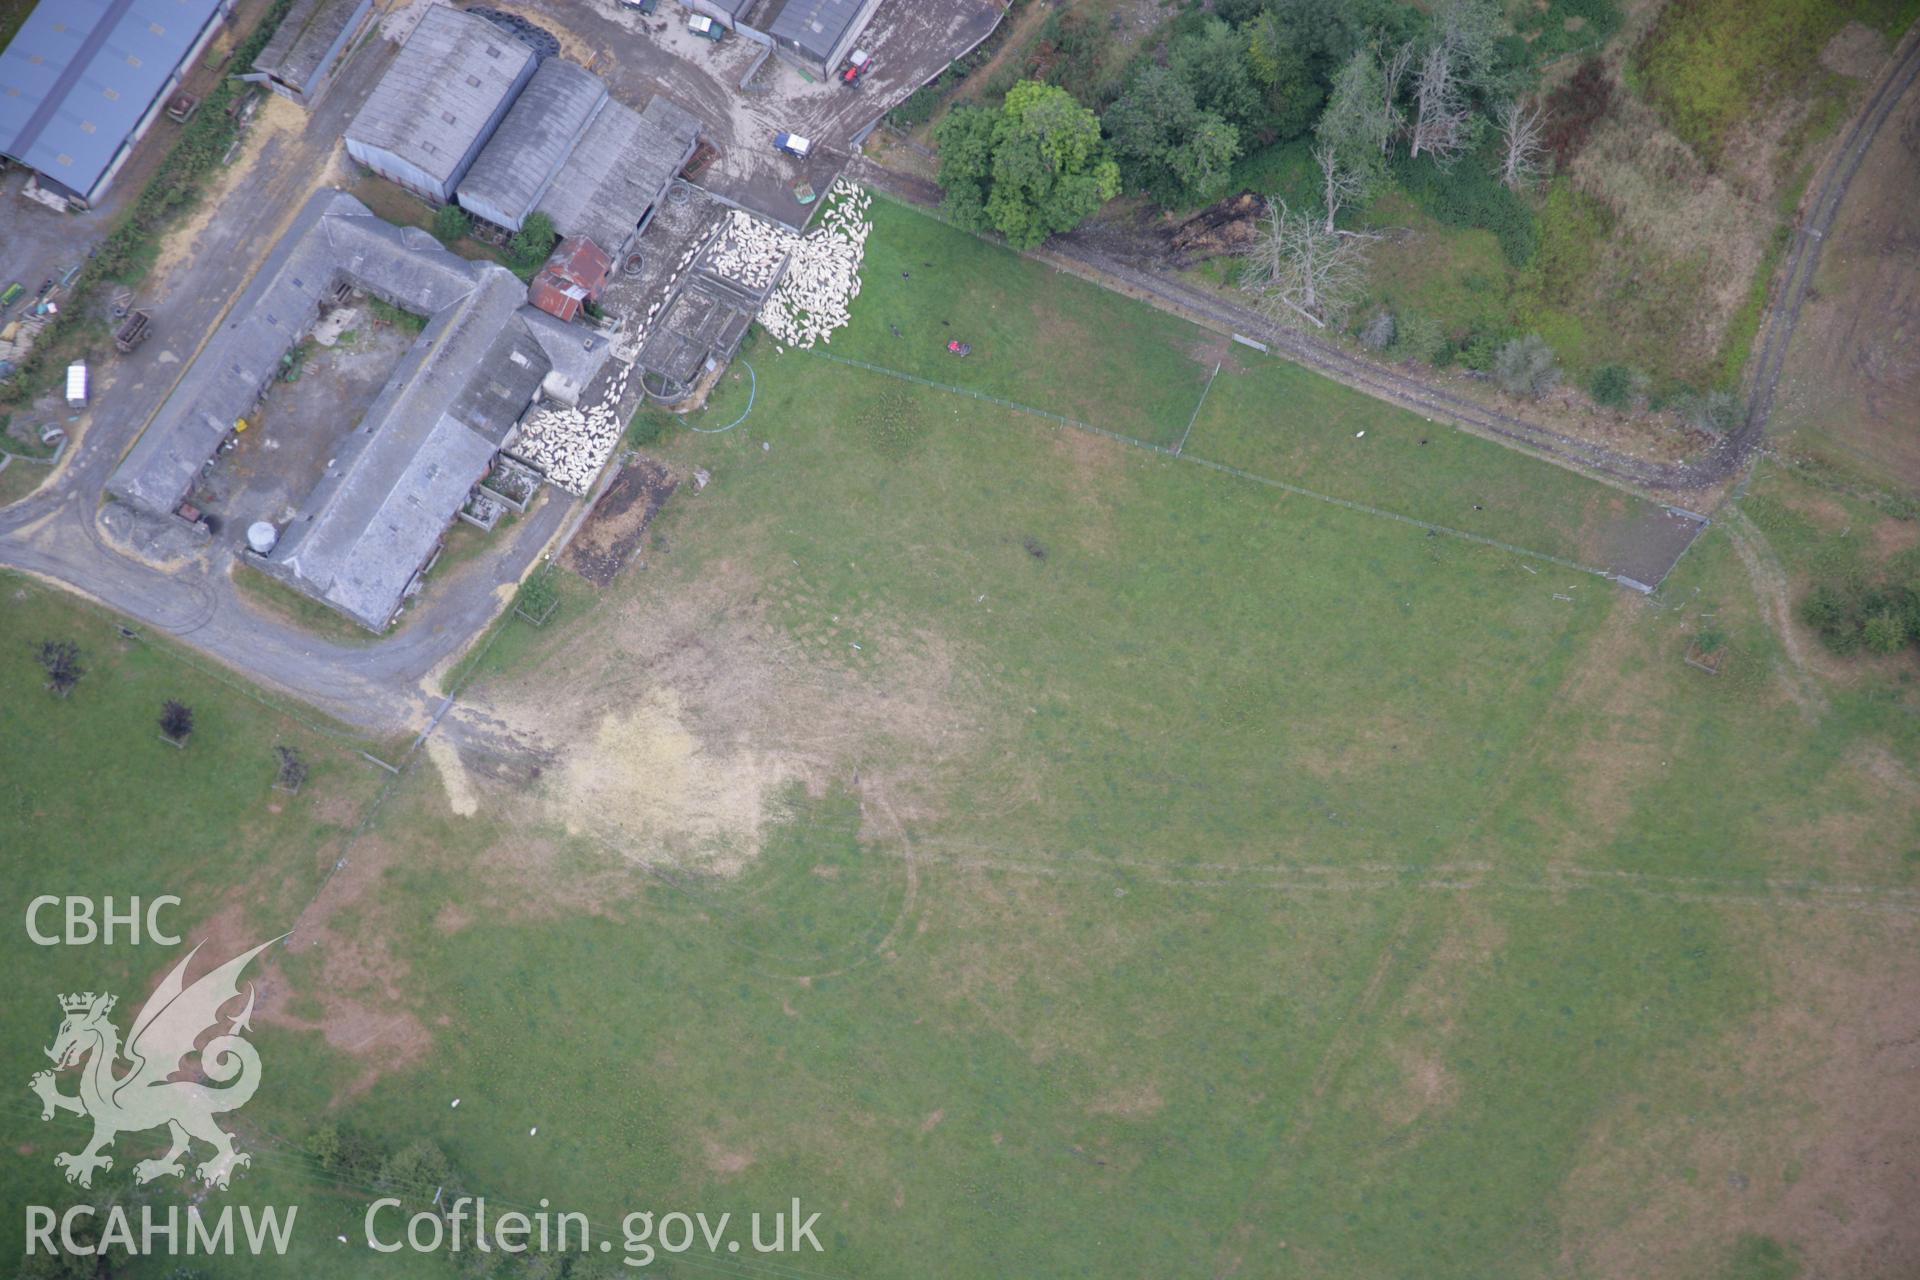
<point x="569" y="446"/>
<point x="823" y="272"/>
<point x="815" y="279"/>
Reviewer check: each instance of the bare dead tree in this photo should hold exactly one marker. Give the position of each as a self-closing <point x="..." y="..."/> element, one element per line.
<point x="1521" y="153"/>
<point x="1340" y="183"/>
<point x="1439" y="106"/>
<point x="1393" y="74"/>
<point x="1298" y="270"/>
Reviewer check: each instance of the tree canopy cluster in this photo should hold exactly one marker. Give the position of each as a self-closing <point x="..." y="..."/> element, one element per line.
<point x="1032" y="167"/>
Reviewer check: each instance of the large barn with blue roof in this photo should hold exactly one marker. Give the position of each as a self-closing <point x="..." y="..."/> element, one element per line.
<point x="82" y="80"/>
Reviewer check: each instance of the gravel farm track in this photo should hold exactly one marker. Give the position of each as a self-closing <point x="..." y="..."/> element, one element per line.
<point x="1086" y="254"/>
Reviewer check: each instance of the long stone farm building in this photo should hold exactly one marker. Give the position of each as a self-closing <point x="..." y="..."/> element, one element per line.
<point x="308" y="46"/>
<point x="448" y="89"/>
<point x="374" y="519"/>
<point x="83" y="80"/>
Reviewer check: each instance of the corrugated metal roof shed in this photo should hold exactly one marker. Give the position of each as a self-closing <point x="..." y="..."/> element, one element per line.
<point x="574" y="275"/>
<point x="298" y="50"/>
<point x="816" y="27"/>
<point x="620" y="170"/>
<point x="519" y="162"/>
<point x="447" y="89"/>
<point x="79" y="75"/>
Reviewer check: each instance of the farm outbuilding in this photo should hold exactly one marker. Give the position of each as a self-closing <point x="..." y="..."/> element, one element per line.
<point x="359" y="539"/>
<point x="818" y="34"/>
<point x="83" y="80"/>
<point x="574" y="275"/>
<point x="620" y="171"/>
<point x="307" y="47"/>
<point x="448" y="89"/>
<point x="534" y="140"/>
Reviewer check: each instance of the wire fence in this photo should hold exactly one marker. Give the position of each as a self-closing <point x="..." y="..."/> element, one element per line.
<point x="1178" y="454"/>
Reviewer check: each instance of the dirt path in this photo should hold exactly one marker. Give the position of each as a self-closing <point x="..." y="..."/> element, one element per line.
<point x="1776" y="605"/>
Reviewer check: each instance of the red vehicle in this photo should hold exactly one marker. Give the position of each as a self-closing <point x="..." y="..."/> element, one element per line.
<point x="858" y="64"/>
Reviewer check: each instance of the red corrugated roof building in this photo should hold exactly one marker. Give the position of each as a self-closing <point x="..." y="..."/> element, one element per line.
<point x="573" y="277"/>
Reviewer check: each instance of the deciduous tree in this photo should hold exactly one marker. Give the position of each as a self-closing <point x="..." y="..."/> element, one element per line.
<point x="61" y="661"/>
<point x="1034" y="167"/>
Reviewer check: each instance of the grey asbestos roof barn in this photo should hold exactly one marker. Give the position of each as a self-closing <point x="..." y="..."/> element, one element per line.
<point x="448" y="89"/>
<point x="300" y="56"/>
<point x="371" y="523"/>
<point x="77" y="81"/>
<point x="620" y="170"/>
<point x="539" y="132"/>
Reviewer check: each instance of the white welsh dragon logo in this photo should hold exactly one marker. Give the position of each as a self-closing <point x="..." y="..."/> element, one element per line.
<point x="146" y="1095"/>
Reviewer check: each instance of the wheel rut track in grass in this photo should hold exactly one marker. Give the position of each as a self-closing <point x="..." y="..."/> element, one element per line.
<point x="1723" y="460"/>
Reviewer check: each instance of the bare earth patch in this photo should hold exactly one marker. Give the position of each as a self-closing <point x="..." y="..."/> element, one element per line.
<point x="670" y="725"/>
<point x="360" y="984"/>
<point x="1856" y="50"/>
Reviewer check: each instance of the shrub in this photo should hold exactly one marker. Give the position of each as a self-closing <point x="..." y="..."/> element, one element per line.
<point x="1823" y="609"/>
<point x="1417" y="337"/>
<point x="1377" y="334"/>
<point x="1466" y="194"/>
<point x="1885" y="632"/>
<point x="1526" y="367"/>
<point x="528" y="249"/>
<point x="450" y="223"/>
<point x="176" y="720"/>
<point x="1613" y="386"/>
<point x="1714" y="412"/>
<point x="1710" y="640"/>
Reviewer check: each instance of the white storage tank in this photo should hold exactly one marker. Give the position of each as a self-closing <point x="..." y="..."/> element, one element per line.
<point x="261" y="536"/>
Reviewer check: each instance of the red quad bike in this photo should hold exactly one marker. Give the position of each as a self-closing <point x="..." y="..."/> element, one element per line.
<point x="959" y="348"/>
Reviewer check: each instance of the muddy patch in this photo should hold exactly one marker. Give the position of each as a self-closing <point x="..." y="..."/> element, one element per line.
<point x="676" y="725"/>
<point x="1856" y="50"/>
<point x="619" y="521"/>
<point x="646" y="783"/>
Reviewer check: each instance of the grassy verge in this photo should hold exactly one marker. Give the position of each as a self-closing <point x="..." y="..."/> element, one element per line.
<point x="20" y="479"/>
<point x="288" y="605"/>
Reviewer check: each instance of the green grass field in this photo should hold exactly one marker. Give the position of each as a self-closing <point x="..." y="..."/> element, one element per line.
<point x="1047" y="856"/>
